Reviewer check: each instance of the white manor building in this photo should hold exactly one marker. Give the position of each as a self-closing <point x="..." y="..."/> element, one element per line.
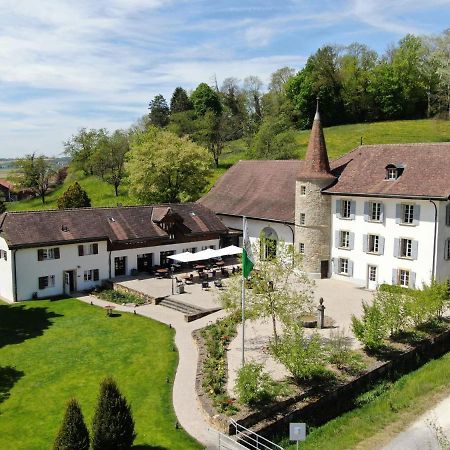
<point x="379" y="214"/>
<point x="50" y="253"/>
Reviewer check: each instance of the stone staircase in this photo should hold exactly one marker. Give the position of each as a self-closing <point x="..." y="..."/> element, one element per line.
<point x="190" y="312"/>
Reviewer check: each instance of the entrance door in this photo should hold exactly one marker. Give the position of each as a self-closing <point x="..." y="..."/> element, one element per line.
<point x="120" y="263"/>
<point x="324" y="265"/>
<point x="164" y="261"/>
<point x="372" y="277"/>
<point x="69" y="282"/>
<point x="145" y="262"/>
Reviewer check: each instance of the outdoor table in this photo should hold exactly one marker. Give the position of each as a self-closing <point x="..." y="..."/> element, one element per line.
<point x="199" y="267"/>
<point x="220" y="263"/>
<point x="162" y="271"/>
<point x="109" y="309"/>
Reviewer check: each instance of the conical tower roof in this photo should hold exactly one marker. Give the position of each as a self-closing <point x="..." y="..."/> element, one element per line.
<point x="316" y="159"/>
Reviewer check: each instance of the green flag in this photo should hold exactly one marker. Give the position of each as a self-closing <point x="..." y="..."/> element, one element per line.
<point x="248" y="261"/>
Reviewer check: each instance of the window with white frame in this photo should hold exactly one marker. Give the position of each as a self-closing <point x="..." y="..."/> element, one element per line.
<point x="343" y="266"/>
<point x="302" y="218"/>
<point x="447" y="249"/>
<point x="4" y="255"/>
<point x="344" y="239"/>
<point x="374" y="211"/>
<point x="373" y="243"/>
<point x="403" y="277"/>
<point x="301" y="247"/>
<point x="346" y="209"/>
<point x="372" y="273"/>
<point x="48" y="253"/>
<point x="405" y="248"/>
<point x="46" y="282"/>
<point x="392" y="173"/>
<point x="302" y="190"/>
<point x="407" y="214"/>
<point x="91" y="275"/>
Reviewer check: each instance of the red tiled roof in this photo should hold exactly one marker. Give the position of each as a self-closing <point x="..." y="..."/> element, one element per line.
<point x="6" y="184"/>
<point x="363" y="171"/>
<point x="31" y="228"/>
<point x="259" y="189"/>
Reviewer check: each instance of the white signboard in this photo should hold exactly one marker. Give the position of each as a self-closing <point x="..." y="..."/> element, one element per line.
<point x="297" y="431"/>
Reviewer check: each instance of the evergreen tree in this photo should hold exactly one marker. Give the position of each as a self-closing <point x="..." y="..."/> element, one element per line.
<point x="74" y="197"/>
<point x="73" y="434"/>
<point x="159" y="111"/>
<point x="206" y="99"/>
<point x="180" y="101"/>
<point x="113" y="424"/>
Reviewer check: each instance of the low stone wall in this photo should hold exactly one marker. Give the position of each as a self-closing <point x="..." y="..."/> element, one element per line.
<point x="128" y="290"/>
<point x="313" y="406"/>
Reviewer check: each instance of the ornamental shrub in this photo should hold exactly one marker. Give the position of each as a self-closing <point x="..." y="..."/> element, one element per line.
<point x="304" y="357"/>
<point x="73" y="434"/>
<point x="254" y="386"/>
<point x="341" y="354"/>
<point x="113" y="424"/>
<point x="74" y="197"/>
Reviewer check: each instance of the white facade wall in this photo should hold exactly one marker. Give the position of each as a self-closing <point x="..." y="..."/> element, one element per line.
<point x="442" y="264"/>
<point x="390" y="230"/>
<point x="29" y="269"/>
<point x="256" y="226"/>
<point x="6" y="273"/>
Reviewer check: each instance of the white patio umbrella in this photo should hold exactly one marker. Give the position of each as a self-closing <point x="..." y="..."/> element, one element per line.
<point x="230" y="250"/>
<point x="204" y="254"/>
<point x="182" y="257"/>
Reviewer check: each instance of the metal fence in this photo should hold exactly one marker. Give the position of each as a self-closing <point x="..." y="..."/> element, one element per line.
<point x="251" y="440"/>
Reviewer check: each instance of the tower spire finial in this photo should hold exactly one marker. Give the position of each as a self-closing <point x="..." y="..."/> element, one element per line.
<point x="317" y="116"/>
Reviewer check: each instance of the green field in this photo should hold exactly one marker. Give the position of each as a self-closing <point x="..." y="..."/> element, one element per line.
<point x="340" y="140"/>
<point x="53" y="350"/>
<point x="374" y="424"/>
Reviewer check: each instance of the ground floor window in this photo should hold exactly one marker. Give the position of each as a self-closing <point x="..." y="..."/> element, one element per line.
<point x="343" y="266"/>
<point x="372" y="273"/>
<point x="91" y="275"/>
<point x="447" y="248"/>
<point x="120" y="265"/>
<point x="164" y="258"/>
<point x="268" y="242"/>
<point x="403" y="277"/>
<point x="47" y="282"/>
<point x="301" y="247"/>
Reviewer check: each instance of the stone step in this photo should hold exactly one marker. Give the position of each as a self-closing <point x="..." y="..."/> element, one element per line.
<point x="180" y="306"/>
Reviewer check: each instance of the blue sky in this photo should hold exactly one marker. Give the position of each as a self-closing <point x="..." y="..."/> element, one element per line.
<point x="71" y="64"/>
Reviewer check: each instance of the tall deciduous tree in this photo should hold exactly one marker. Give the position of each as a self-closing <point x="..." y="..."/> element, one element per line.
<point x="73" y="434"/>
<point x="113" y="424"/>
<point x="74" y="197"/>
<point x="180" y="101"/>
<point x="34" y="172"/>
<point x="280" y="289"/>
<point x="117" y="147"/>
<point x="159" y="111"/>
<point x="164" y="167"/>
<point x="205" y="99"/>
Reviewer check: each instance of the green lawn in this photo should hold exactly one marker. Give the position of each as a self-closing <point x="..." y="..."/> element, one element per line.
<point x="371" y="425"/>
<point x="340" y="140"/>
<point x="53" y="350"/>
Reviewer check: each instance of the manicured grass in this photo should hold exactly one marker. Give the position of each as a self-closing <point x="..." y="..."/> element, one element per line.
<point x="51" y="351"/>
<point x="374" y="423"/>
<point x="340" y="140"/>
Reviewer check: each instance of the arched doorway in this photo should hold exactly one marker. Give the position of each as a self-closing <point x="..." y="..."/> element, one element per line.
<point x="268" y="239"/>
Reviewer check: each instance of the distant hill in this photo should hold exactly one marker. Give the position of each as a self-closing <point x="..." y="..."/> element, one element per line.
<point x="339" y="139"/>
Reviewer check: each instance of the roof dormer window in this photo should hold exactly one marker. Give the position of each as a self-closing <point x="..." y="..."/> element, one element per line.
<point x="393" y="171"/>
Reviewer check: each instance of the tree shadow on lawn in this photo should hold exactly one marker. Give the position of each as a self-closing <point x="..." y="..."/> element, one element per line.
<point x="148" y="447"/>
<point x="8" y="378"/>
<point x="18" y="323"/>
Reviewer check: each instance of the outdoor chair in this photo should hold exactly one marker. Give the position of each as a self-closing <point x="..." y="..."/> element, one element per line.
<point x="205" y="285"/>
<point x="218" y="284"/>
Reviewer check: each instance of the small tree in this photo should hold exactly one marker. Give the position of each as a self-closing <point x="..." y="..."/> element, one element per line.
<point x="73" y="434"/>
<point x="113" y="424"/>
<point x="74" y="197"/>
<point x="159" y="111"/>
<point x="2" y="207"/>
<point x="280" y="289"/>
<point x="372" y="329"/>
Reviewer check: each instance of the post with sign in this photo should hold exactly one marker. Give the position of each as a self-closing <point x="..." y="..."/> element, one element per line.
<point x="297" y="432"/>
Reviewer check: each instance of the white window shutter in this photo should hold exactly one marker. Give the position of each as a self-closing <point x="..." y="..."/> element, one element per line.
<point x="416" y="214"/>
<point x="352" y="210"/>
<point x="394" y="276"/>
<point x="398" y="213"/>
<point x="412" y="280"/>
<point x="365" y="243"/>
<point x="414" y="249"/>
<point x="382" y="212"/>
<point x="381" y="245"/>
<point x="352" y="241"/>
<point x="337" y="238"/>
<point x="338" y="208"/>
<point x="336" y="265"/>
<point x="396" y="247"/>
<point x="366" y="211"/>
<point x="350" y="268"/>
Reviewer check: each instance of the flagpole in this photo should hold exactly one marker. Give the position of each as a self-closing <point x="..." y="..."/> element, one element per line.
<point x="244" y="228"/>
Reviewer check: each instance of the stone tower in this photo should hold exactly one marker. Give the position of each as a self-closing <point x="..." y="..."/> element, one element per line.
<point x="312" y="208"/>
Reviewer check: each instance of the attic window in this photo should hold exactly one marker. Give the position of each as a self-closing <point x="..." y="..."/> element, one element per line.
<point x="111" y="219"/>
<point x="393" y="171"/>
<point x="192" y="213"/>
<point x="64" y="228"/>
